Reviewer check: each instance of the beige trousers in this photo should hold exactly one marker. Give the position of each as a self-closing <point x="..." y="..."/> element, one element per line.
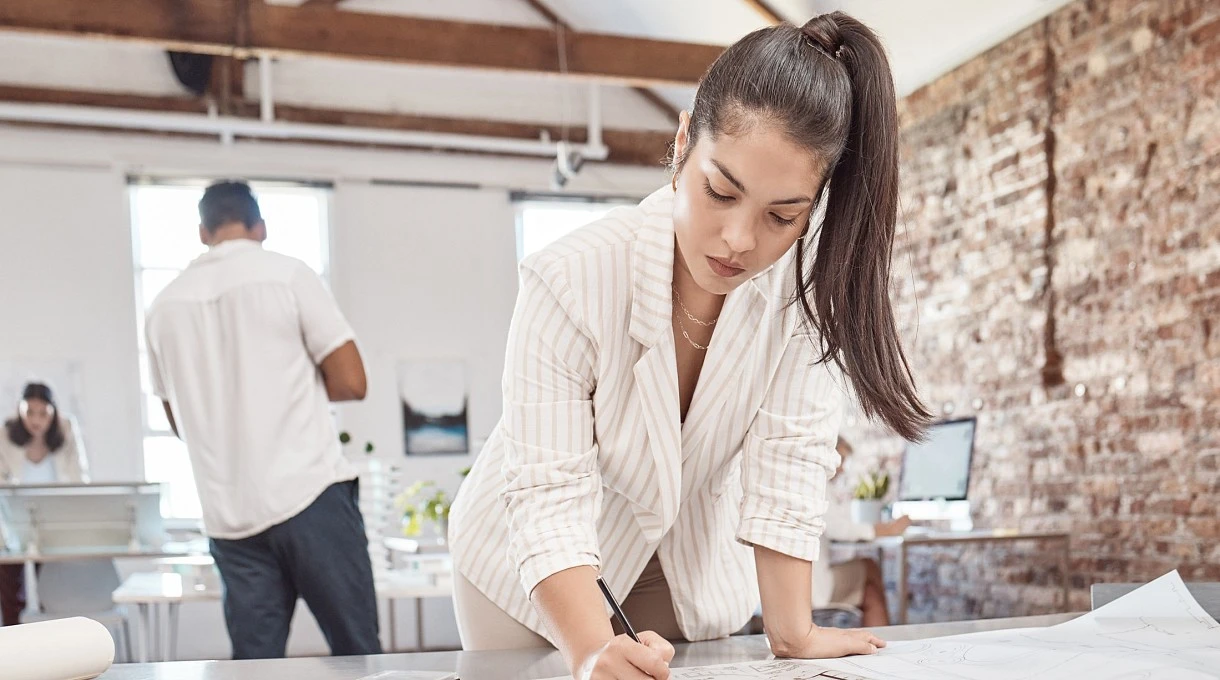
<point x="484" y="626"/>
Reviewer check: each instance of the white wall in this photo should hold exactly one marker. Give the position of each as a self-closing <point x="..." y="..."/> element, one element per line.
<point x="67" y="294"/>
<point x="425" y="273"/>
<point x="420" y="272"/>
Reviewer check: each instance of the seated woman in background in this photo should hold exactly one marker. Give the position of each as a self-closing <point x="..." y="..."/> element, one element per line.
<point x="38" y="446"/>
<point x="857" y="582"/>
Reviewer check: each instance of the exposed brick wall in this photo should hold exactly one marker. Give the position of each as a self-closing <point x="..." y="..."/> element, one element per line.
<point x="1061" y="200"/>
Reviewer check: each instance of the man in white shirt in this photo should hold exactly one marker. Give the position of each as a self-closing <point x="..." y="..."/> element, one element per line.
<point x="857" y="582"/>
<point x="246" y="348"/>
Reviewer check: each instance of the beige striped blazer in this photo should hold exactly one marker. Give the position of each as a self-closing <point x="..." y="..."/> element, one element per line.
<point x="590" y="464"/>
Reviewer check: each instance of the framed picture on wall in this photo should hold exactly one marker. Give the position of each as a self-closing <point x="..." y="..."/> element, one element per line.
<point x="435" y="399"/>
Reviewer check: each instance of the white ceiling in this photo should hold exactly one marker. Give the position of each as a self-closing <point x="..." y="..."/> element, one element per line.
<point x="926" y="39"/>
<point x="929" y="38"/>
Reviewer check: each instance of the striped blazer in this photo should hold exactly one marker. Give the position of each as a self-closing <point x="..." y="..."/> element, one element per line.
<point x="590" y="463"/>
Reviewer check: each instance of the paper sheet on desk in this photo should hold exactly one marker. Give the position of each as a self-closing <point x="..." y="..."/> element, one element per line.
<point x="411" y="675"/>
<point x="1155" y="632"/>
<point x="775" y="669"/>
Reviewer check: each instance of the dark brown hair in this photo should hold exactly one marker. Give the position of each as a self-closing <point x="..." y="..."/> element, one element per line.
<point x="227" y="202"/>
<point x="827" y="85"/>
<point x="16" y="427"/>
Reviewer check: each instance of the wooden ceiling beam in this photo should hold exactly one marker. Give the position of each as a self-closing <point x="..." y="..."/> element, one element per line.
<point x="628" y="147"/>
<point x="211" y="26"/>
<point x="657" y="101"/>
<point x="109" y="100"/>
<point x="199" y="26"/>
<point x="765" y="10"/>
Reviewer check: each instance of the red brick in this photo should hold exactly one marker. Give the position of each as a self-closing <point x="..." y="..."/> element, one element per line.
<point x="1207" y="33"/>
<point x="1131" y="470"/>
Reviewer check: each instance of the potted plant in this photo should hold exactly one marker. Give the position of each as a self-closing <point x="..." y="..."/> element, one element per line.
<point x="869" y="496"/>
<point x="423" y="501"/>
<point x="345" y="438"/>
<point x="370" y="466"/>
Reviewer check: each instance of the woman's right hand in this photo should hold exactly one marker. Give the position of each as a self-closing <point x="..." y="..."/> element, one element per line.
<point x="625" y="659"/>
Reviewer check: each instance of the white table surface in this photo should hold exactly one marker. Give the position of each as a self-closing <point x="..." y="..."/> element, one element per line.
<point x="166" y="550"/>
<point x="523" y="664"/>
<point x="154" y="588"/>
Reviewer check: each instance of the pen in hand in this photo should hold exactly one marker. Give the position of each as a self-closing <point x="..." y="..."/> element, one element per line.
<point x="618" y="611"/>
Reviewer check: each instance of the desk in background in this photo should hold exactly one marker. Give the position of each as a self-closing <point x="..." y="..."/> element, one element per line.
<point x="904" y="542"/>
<point x="168" y="549"/>
<point x="159" y="597"/>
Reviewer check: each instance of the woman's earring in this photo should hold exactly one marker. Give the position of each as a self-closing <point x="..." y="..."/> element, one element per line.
<point x="674" y="182"/>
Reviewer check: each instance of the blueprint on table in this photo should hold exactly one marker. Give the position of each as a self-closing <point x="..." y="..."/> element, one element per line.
<point x="1157" y="631"/>
<point x="774" y="669"/>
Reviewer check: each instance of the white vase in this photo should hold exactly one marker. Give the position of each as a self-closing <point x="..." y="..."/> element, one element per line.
<point x="866" y="511"/>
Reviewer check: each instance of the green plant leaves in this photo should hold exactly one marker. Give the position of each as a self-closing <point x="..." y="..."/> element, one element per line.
<point x="422" y="501"/>
<point x="872" y="486"/>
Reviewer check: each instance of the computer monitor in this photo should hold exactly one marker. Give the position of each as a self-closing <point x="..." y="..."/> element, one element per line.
<point x="939" y="467"/>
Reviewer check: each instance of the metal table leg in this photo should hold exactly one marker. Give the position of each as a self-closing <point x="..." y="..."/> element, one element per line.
<point x="158" y="634"/>
<point x="146" y="633"/>
<point x="902" y="582"/>
<point x="393" y="625"/>
<point x="31" y="587"/>
<point x="128" y="644"/>
<point x="173" y="630"/>
<point x="419" y="624"/>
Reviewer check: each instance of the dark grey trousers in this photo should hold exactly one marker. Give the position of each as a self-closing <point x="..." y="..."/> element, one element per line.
<point x="320" y="555"/>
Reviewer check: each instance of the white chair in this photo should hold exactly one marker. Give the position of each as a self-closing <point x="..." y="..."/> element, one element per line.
<point x="82" y="588"/>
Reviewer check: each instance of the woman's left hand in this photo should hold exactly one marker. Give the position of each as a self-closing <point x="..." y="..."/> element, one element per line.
<point x="832" y="643"/>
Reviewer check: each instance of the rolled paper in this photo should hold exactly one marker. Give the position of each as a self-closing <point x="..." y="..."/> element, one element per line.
<point x="63" y="649"/>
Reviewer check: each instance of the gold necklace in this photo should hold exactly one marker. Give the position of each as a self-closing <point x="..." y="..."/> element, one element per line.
<point x="692" y="317"/>
<point x="681" y="327"/>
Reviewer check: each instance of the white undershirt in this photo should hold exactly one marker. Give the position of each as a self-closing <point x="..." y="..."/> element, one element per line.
<point x="42" y="472"/>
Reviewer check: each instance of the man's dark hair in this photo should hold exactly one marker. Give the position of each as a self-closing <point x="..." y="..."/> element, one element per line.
<point x="226" y="202"/>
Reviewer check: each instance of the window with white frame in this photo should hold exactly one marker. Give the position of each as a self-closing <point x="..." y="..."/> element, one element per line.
<point x="541" y="221"/>
<point x="165" y="238"/>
